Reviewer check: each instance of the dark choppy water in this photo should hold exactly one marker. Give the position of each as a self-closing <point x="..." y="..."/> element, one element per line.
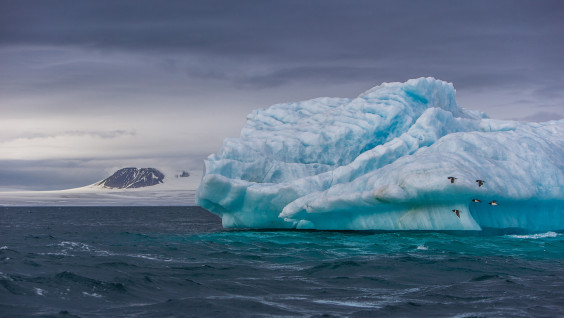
<point x="177" y="261"/>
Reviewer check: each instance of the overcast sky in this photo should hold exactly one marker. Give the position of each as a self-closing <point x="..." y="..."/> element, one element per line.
<point x="87" y="87"/>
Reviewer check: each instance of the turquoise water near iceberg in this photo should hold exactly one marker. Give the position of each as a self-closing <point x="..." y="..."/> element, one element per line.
<point x="179" y="261"/>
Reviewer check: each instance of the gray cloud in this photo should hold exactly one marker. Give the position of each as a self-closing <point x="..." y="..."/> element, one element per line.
<point x="471" y="43"/>
<point x="102" y="134"/>
<point x="46" y="175"/>
<point x="81" y="133"/>
<point x="290" y="30"/>
<point x="541" y="117"/>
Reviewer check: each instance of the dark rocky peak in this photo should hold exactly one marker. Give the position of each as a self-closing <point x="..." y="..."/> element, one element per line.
<point x="184" y="174"/>
<point x="127" y="178"/>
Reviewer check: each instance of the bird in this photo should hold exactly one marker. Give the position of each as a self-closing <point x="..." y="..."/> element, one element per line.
<point x="493" y="203"/>
<point x="480" y="182"/>
<point x="452" y="179"/>
<point x="476" y="200"/>
<point x="457" y="213"/>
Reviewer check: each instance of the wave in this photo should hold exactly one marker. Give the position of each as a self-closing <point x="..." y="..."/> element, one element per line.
<point x="536" y="236"/>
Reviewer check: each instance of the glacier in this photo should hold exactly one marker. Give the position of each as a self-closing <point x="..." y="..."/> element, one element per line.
<point x="382" y="161"/>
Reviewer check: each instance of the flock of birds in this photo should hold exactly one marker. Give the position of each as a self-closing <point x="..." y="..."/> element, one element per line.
<point x="480" y="183"/>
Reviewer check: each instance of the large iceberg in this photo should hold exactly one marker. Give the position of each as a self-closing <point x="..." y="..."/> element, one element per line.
<point x="382" y="161"/>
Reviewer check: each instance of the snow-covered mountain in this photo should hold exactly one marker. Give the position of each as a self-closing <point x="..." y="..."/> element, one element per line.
<point x="126" y="187"/>
<point x="127" y="178"/>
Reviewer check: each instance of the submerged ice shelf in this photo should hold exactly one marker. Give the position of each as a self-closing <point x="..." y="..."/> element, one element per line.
<point x="381" y="161"/>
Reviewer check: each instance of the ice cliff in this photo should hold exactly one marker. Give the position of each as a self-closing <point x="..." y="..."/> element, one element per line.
<point x="382" y="161"/>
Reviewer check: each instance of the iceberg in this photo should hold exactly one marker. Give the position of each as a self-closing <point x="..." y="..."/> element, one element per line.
<point x="382" y="161"/>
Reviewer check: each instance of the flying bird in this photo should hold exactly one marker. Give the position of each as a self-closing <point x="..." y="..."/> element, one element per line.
<point x="493" y="203"/>
<point x="457" y="213"/>
<point x="476" y="200"/>
<point x="452" y="179"/>
<point x="480" y="182"/>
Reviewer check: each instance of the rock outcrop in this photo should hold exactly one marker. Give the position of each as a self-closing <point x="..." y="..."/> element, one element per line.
<point x="127" y="178"/>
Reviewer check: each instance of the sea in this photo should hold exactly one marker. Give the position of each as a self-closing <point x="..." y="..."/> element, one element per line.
<point x="180" y="262"/>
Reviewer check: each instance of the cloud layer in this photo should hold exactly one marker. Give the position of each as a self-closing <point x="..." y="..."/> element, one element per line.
<point x="122" y="80"/>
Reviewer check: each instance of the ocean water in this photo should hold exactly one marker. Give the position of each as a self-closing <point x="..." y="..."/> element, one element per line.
<point x="179" y="262"/>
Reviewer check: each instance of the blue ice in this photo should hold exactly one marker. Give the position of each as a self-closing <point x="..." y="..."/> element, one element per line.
<point x="381" y="161"/>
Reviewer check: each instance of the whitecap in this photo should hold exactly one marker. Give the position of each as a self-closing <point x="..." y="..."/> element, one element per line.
<point x="356" y="304"/>
<point x="74" y="246"/>
<point x="150" y="257"/>
<point x="68" y="246"/>
<point x="536" y="236"/>
<point x="92" y="295"/>
<point x="39" y="291"/>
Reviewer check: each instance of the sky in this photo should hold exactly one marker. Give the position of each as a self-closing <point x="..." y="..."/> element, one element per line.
<point x="88" y="87"/>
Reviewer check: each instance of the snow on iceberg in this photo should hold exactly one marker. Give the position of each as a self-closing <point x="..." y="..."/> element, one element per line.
<point x="381" y="161"/>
